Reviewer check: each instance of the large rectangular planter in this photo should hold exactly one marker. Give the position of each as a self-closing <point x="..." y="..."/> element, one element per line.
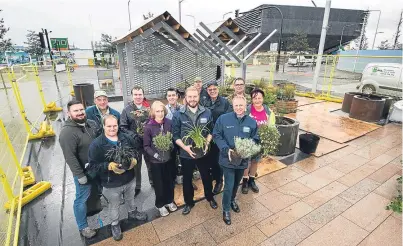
<point x="286" y="107"/>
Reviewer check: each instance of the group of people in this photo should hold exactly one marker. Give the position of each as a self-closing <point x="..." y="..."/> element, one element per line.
<point x="94" y="139"/>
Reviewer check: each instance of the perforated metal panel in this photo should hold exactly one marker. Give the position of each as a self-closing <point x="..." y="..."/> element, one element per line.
<point x="156" y="66"/>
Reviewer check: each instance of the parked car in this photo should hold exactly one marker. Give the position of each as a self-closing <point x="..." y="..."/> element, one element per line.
<point x="300" y="60"/>
<point x="381" y="76"/>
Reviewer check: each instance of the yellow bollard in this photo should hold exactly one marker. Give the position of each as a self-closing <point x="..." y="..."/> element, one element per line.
<point x="51" y="107"/>
<point x="29" y="194"/>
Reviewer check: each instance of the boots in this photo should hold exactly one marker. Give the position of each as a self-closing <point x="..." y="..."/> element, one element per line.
<point x="245" y="186"/>
<point x="253" y="185"/>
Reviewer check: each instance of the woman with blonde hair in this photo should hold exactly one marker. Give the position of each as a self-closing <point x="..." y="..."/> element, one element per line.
<point x="160" y="164"/>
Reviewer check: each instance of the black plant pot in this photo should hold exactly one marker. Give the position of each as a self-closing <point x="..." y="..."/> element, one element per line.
<point x="199" y="152"/>
<point x="308" y="143"/>
<point x="164" y="155"/>
<point x="288" y="129"/>
<point x="236" y="160"/>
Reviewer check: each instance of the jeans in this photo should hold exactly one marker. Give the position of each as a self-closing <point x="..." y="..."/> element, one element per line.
<point x="137" y="169"/>
<point x="80" y="203"/>
<point x="114" y="196"/>
<point x="216" y="169"/>
<point x="204" y="165"/>
<point x="163" y="185"/>
<point x="232" y="178"/>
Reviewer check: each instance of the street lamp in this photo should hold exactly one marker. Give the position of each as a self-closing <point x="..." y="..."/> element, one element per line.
<point x="374" y="39"/>
<point x="128" y="9"/>
<point x="281" y="30"/>
<point x="377" y="24"/>
<point x="342" y="31"/>
<point x="194" y="21"/>
<point x="180" y="11"/>
<point x="223" y="16"/>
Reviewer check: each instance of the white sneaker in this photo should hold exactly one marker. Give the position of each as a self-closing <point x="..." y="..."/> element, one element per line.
<point x="172" y="207"/>
<point x="163" y="211"/>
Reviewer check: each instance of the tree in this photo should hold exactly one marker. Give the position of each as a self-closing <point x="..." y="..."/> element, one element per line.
<point x="298" y="43"/>
<point x="364" y="43"/>
<point x="5" y="43"/>
<point x="34" y="45"/>
<point x="106" y="43"/>
<point x="385" y="45"/>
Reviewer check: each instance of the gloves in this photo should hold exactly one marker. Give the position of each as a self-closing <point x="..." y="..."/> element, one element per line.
<point x="133" y="163"/>
<point x="83" y="180"/>
<point x="115" y="168"/>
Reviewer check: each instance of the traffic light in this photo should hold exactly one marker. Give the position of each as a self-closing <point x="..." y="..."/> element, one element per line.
<point x="237" y="13"/>
<point x="42" y="39"/>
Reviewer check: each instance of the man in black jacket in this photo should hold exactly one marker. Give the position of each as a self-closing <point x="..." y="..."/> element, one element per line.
<point x="132" y="121"/>
<point x="218" y="106"/>
<point x="115" y="179"/>
<point x="75" y="139"/>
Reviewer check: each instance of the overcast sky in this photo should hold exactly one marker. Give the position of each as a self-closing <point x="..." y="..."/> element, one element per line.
<point x="84" y="20"/>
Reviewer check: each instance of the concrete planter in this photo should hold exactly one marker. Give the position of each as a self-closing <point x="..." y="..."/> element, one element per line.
<point x="288" y="129"/>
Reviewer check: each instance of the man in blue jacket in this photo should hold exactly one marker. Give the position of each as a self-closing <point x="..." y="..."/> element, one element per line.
<point x="100" y="109"/>
<point x="227" y="127"/>
<point x="184" y="120"/>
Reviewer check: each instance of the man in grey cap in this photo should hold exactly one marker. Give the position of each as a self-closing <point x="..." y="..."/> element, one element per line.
<point x="198" y="83"/>
<point x="100" y="109"/>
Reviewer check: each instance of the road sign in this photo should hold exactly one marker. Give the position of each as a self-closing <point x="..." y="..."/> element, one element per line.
<point x="59" y="43"/>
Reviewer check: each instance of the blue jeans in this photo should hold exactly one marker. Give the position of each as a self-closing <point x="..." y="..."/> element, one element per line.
<point x="232" y="178"/>
<point x="80" y="203"/>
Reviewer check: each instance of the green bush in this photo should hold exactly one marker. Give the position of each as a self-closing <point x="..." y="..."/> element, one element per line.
<point x="163" y="142"/>
<point x="269" y="139"/>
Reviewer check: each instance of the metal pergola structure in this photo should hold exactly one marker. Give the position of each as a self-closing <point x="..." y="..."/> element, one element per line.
<point x="162" y="54"/>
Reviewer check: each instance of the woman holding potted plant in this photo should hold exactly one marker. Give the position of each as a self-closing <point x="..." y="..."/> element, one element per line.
<point x="158" y="146"/>
<point x="236" y="136"/>
<point x="263" y="116"/>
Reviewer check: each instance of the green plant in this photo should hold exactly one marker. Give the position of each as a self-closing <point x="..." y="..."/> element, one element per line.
<point x="269" y="139"/>
<point x="246" y="147"/>
<point x="195" y="135"/>
<point x="396" y="203"/>
<point x="122" y="155"/>
<point x="163" y="142"/>
<point x="289" y="92"/>
<point x="260" y="83"/>
<point x="269" y="98"/>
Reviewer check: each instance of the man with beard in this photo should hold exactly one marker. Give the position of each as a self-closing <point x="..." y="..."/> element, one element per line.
<point x="193" y="115"/>
<point x="133" y="119"/>
<point x="75" y="139"/>
<point x="218" y="106"/>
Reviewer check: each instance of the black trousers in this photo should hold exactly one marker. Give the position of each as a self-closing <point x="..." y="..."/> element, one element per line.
<point x="163" y="185"/>
<point x="188" y="165"/>
<point x="216" y="170"/>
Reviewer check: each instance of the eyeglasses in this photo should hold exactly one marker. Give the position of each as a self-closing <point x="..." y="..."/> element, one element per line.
<point x="239" y="84"/>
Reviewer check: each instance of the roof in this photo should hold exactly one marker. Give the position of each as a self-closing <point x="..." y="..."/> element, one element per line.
<point x="232" y="26"/>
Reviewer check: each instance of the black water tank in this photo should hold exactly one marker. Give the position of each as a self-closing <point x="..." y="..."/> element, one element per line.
<point x="84" y="93"/>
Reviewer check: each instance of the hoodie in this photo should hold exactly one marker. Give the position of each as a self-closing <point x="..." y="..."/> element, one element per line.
<point x="151" y="130"/>
<point x="75" y="141"/>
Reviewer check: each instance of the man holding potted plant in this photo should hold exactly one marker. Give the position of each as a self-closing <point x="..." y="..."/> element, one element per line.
<point x="218" y="106"/>
<point x="191" y="127"/>
<point x="158" y="146"/>
<point x="112" y="157"/>
<point x="230" y="129"/>
<point x="132" y="121"/>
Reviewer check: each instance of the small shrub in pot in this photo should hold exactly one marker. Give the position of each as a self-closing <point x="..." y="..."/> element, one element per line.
<point x="163" y="143"/>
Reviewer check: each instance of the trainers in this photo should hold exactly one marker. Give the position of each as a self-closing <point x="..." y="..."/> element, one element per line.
<point x="137" y="215"/>
<point x="245" y="186"/>
<point x="163" y="211"/>
<point x="88" y="232"/>
<point x="116" y="232"/>
<point x="172" y="207"/>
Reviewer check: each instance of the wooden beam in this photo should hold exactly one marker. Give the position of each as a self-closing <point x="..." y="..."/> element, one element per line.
<point x="185" y="35"/>
<point x="167" y="18"/>
<point x="229" y="23"/>
<point x="236" y="29"/>
<point x="141" y="30"/>
<point x="176" y="27"/>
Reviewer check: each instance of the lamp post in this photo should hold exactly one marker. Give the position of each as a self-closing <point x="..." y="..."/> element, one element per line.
<point x="377" y="24"/>
<point x="281" y="30"/>
<point x="342" y="31"/>
<point x="194" y="20"/>
<point x="180" y="10"/>
<point x="128" y="10"/>
<point x="223" y="16"/>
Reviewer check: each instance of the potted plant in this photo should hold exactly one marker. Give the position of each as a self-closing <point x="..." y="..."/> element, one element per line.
<point x="244" y="149"/>
<point x="288" y="129"/>
<point x="194" y="136"/>
<point x="122" y="155"/>
<point x="163" y="143"/>
<point x="141" y="119"/>
<point x="286" y="98"/>
<point x="269" y="139"/>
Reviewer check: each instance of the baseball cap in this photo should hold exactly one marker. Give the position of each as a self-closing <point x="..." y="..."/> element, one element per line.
<point x="100" y="93"/>
<point x="210" y="83"/>
<point x="197" y="79"/>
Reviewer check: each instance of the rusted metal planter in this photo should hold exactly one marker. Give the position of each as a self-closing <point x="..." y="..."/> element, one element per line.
<point x="348" y="99"/>
<point x="367" y="108"/>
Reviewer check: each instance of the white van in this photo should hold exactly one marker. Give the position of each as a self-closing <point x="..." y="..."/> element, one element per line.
<point x="381" y="76"/>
